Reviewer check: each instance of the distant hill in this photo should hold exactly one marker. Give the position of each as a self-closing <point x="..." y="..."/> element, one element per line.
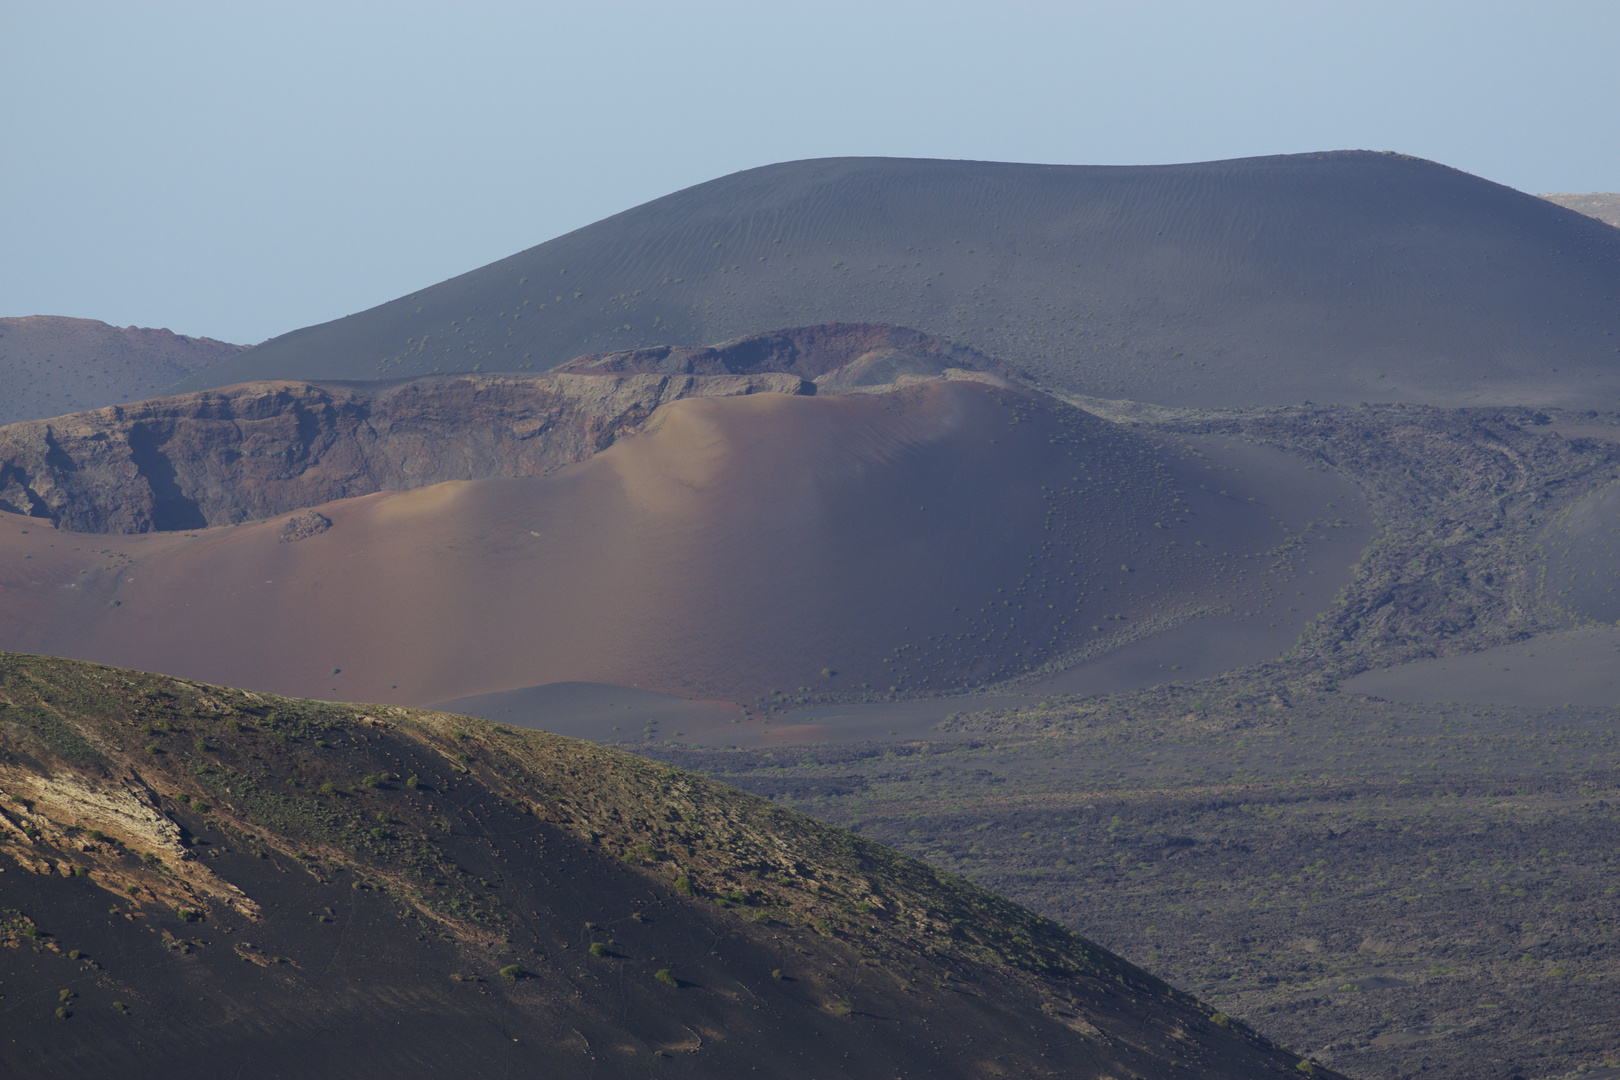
<point x="1334" y="277"/>
<point x="1603" y="205"/>
<point x="199" y="881"/>
<point x="50" y="364"/>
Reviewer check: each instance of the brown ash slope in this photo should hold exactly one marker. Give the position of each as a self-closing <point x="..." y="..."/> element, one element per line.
<point x="1335" y="277"/>
<point x="196" y="876"/>
<point x="51" y="365"/>
<point x="926" y="536"/>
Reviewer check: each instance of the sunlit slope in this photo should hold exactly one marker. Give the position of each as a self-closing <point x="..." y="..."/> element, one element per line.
<point x="942" y="534"/>
<point x="1337" y="277"/>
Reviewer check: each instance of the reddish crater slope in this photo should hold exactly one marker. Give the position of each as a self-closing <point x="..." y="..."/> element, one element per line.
<point x="251" y="451"/>
<point x="936" y="534"/>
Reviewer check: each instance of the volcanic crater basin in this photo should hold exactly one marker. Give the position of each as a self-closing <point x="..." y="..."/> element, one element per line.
<point x="940" y="535"/>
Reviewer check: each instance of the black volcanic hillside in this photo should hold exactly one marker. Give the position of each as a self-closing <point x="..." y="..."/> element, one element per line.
<point x="198" y="881"/>
<point x="1338" y="277"/>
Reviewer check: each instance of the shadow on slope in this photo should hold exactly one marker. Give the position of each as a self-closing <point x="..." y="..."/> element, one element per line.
<point x="943" y="535"/>
<point x="1336" y="277"/>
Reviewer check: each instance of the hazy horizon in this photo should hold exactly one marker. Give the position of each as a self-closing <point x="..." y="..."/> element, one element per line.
<point x="237" y="172"/>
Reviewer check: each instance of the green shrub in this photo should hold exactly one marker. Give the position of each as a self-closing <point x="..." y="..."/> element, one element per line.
<point x="667" y="977"/>
<point x="598" y="949"/>
<point x="684" y="884"/>
<point x="511" y="971"/>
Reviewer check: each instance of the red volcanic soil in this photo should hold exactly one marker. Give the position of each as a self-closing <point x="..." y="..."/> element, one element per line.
<point x="944" y="534"/>
<point x="50" y="365"/>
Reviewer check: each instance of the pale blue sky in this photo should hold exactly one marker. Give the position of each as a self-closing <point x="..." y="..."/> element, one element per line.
<point x="239" y="169"/>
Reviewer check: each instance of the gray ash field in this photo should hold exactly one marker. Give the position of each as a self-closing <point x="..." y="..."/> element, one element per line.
<point x="1401" y="890"/>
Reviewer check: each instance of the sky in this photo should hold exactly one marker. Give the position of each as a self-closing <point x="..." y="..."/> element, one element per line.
<point x="237" y="170"/>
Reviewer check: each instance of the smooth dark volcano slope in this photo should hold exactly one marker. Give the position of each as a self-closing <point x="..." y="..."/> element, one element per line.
<point x="1337" y="277"/>
<point x="197" y="881"/>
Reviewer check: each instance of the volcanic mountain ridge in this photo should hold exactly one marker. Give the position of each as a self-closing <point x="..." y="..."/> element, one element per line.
<point x="1335" y="277"/>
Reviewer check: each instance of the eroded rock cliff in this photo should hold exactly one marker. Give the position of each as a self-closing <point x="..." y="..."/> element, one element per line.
<point x="258" y="449"/>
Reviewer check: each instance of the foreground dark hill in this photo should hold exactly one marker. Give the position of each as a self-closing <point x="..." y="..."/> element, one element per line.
<point x="933" y="534"/>
<point x="200" y="881"/>
<point x="50" y="365"/>
<point x="1337" y="277"/>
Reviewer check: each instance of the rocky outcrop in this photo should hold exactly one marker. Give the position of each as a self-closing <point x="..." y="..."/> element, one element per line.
<point x="309" y="523"/>
<point x="837" y="354"/>
<point x="259" y="449"/>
